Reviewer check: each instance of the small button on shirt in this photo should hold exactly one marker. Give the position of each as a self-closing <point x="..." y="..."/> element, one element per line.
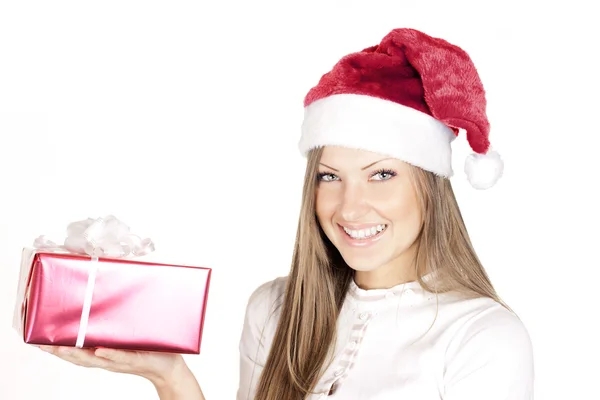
<point x="403" y="343"/>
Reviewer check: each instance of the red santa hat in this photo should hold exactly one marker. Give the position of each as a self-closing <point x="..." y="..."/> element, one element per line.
<point x="407" y="98"/>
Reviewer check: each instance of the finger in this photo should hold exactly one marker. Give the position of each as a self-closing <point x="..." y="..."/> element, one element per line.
<point x="81" y="357"/>
<point x="110" y="354"/>
<point x="84" y="358"/>
<point x="119" y="357"/>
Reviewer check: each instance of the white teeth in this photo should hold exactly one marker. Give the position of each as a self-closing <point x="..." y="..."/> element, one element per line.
<point x="365" y="233"/>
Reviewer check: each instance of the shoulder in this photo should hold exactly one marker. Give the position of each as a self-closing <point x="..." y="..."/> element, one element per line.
<point x="267" y="298"/>
<point x="262" y="311"/>
<point x="489" y="346"/>
<point x="484" y="321"/>
<point x="260" y="324"/>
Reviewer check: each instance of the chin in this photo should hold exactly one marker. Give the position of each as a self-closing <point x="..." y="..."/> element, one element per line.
<point x="363" y="267"/>
<point x="362" y="264"/>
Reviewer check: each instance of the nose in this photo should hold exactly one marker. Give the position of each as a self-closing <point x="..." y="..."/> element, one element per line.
<point x="353" y="204"/>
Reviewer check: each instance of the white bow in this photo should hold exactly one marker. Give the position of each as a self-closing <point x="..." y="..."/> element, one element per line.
<point x="101" y="237"/>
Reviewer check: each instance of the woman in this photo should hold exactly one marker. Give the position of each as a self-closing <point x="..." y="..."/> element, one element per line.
<point x="386" y="298"/>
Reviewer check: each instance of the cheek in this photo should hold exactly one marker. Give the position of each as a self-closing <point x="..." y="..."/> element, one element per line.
<point x="325" y="207"/>
<point x="399" y="204"/>
<point x="324" y="203"/>
<point x="408" y="220"/>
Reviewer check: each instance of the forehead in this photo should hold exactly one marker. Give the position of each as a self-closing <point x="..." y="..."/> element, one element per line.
<point x="344" y="157"/>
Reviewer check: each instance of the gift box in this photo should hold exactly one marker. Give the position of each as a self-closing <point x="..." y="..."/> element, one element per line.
<point x="81" y="295"/>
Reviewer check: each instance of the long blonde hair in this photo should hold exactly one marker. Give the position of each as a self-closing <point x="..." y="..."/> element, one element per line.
<point x="319" y="278"/>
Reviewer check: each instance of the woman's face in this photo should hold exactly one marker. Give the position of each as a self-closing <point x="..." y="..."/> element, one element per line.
<point x="367" y="206"/>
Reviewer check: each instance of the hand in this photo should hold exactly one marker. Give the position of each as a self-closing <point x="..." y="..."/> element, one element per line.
<point x="160" y="368"/>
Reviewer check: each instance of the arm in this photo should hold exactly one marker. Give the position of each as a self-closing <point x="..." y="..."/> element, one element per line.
<point x="181" y="385"/>
<point x="490" y="359"/>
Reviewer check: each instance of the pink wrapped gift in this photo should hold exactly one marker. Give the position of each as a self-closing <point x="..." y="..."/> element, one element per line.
<point x="71" y="295"/>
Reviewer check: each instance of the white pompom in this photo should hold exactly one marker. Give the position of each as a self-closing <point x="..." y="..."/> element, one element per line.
<point x="484" y="170"/>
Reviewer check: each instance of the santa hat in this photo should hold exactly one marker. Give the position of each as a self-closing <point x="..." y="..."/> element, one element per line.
<point x="407" y="98"/>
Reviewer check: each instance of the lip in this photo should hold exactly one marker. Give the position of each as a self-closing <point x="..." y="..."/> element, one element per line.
<point x="362" y="243"/>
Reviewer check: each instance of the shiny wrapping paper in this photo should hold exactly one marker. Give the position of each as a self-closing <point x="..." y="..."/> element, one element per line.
<point x="135" y="305"/>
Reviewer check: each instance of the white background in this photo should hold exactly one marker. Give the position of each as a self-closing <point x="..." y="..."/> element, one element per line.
<point x="182" y="119"/>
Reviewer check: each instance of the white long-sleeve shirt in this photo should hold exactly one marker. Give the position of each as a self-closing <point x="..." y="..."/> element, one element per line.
<point x="475" y="350"/>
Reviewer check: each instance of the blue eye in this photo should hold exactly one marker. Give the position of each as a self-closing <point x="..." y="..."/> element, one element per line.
<point x="379" y="175"/>
<point x="383" y="174"/>
<point x="326" y="177"/>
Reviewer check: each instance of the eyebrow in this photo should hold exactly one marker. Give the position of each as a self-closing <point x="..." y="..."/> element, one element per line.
<point x="362" y="169"/>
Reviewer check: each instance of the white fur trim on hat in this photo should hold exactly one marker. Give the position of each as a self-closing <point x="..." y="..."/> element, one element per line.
<point x="381" y="126"/>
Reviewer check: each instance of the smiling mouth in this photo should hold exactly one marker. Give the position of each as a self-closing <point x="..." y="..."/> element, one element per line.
<point x="364" y="234"/>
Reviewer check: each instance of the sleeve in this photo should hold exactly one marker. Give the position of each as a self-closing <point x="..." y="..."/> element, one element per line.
<point x="492" y="359"/>
<point x="257" y="334"/>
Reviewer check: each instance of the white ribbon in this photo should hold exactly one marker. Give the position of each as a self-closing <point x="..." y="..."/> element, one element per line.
<point x="102" y="237"/>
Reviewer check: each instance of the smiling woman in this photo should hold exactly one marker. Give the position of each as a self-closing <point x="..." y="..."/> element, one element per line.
<point x="386" y="297"/>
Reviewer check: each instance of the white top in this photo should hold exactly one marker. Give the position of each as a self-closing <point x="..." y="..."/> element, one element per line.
<point x="475" y="350"/>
